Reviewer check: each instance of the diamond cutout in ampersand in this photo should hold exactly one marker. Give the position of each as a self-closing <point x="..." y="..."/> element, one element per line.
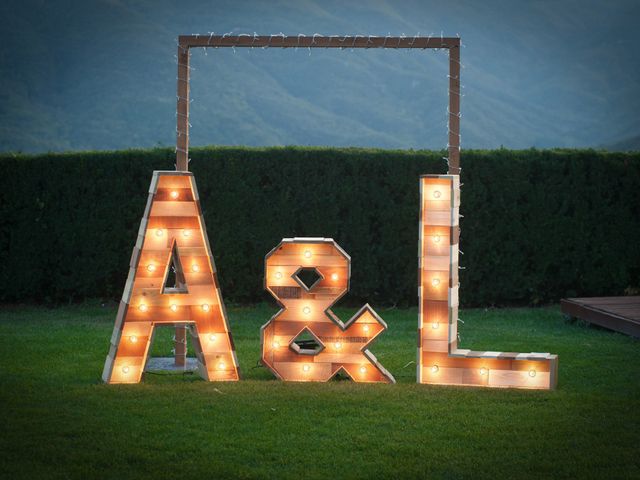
<point x="307" y="277"/>
<point x="306" y="343"/>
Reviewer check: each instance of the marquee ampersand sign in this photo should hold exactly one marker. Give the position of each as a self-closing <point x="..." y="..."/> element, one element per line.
<point x="305" y="340"/>
<point x="440" y="361"/>
<point x="172" y="281"/>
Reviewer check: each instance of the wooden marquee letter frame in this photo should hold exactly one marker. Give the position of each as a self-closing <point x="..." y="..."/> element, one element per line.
<point x="440" y="361"/>
<point x="172" y="235"/>
<point x="306" y="308"/>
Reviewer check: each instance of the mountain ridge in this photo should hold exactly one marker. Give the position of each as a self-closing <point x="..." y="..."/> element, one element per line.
<point x="535" y="75"/>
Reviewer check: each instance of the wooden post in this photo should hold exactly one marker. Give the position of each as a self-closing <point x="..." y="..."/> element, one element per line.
<point x="182" y="110"/>
<point x="182" y="164"/>
<point x="454" y="110"/>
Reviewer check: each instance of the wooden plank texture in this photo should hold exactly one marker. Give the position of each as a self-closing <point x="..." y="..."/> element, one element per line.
<point x="621" y="314"/>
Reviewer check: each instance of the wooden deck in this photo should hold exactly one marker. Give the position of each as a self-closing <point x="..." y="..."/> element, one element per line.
<point x="621" y="314"/>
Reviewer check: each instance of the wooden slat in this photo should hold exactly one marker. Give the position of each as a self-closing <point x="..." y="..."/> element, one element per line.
<point x="634" y="300"/>
<point x="316" y="41"/>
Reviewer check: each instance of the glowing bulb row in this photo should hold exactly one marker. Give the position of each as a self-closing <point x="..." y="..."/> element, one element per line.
<point x="483" y="371"/>
<point x="143" y="307"/>
<point x="307" y="368"/>
<point x="194" y="268"/>
<point x="185" y="233"/>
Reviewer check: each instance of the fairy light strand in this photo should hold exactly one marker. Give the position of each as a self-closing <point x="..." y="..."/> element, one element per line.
<point x="342" y="44"/>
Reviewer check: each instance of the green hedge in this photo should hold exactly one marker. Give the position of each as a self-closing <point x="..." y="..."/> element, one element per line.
<point x="538" y="224"/>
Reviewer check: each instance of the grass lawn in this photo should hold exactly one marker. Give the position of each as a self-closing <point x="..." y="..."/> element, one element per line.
<point x="59" y="421"/>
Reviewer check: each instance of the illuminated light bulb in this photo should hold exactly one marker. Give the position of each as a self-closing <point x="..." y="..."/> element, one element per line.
<point x="334" y="276"/>
<point x="363" y="369"/>
<point x="133" y="339"/>
<point x="306" y="310"/>
<point x="195" y="267"/>
<point x="205" y="307"/>
<point x="307" y="254"/>
<point x="366" y="328"/>
<point x="212" y="337"/>
<point x="532" y="373"/>
<point x="221" y="366"/>
<point x="483" y="371"/>
<point x="278" y="275"/>
<point x="435" y="369"/>
<point x="173" y="307"/>
<point x="437" y="194"/>
<point x="186" y="233"/>
<point x="276" y="344"/>
<point x="436" y="239"/>
<point x="125" y="369"/>
<point x="435" y="325"/>
<point x="142" y="307"/>
<point x="151" y="267"/>
<point x="174" y="194"/>
<point x="338" y="345"/>
<point x="159" y="232"/>
<point x="435" y="282"/>
<point x="306" y="368"/>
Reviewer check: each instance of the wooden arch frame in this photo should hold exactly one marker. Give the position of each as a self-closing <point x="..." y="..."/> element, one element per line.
<point x="186" y="42"/>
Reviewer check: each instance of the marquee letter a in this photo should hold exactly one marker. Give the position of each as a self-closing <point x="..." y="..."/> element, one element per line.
<point x="172" y="281"/>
